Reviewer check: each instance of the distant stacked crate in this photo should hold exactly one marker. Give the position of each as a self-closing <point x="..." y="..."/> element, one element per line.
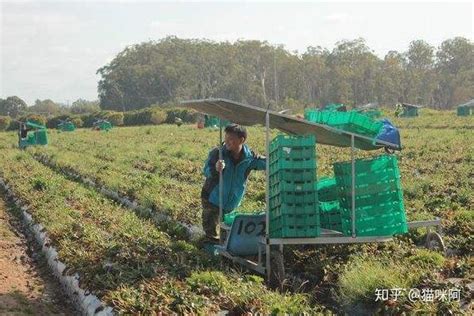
<point x="329" y="206"/>
<point x="293" y="198"/>
<point x="409" y="112"/>
<point x="348" y="121"/>
<point x="379" y="208"/>
<point x="464" y="110"/>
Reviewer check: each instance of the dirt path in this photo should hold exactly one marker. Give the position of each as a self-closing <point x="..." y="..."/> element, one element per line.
<point x="26" y="288"/>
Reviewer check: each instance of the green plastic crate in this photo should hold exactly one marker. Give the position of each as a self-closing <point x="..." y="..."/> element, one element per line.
<point x="312" y="115"/>
<point x="327" y="189"/>
<point x="294" y="198"/>
<point x="292" y="141"/>
<point x="293" y="153"/>
<point x="291" y="187"/>
<point x="376" y="164"/>
<point x="298" y="175"/>
<point x="281" y="228"/>
<point x="298" y="220"/>
<point x="41" y="137"/>
<point x="388" y="225"/>
<point x="293" y="165"/>
<point x="295" y="209"/>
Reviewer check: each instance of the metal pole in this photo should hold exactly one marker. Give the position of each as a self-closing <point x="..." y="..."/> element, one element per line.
<point x="267" y="195"/>
<point x="221" y="184"/>
<point x="353" y="186"/>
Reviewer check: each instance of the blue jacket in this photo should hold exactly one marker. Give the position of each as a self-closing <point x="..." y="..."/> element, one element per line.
<point x="234" y="176"/>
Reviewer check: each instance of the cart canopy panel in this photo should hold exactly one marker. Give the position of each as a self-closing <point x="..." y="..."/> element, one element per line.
<point x="249" y="115"/>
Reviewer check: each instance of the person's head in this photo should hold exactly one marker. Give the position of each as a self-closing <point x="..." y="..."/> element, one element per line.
<point x="235" y="136"/>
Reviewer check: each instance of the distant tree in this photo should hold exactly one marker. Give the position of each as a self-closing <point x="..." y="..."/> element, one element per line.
<point x="455" y="68"/>
<point x="46" y="108"/>
<point x="81" y="106"/>
<point x="420" y="80"/>
<point x="12" y="106"/>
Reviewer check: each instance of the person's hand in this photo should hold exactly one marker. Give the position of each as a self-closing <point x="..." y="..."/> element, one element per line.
<point x="220" y="165"/>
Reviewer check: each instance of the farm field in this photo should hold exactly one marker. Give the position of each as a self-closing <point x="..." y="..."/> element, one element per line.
<point x="136" y="267"/>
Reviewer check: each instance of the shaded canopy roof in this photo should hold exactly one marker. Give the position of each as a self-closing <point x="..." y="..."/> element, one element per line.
<point x="469" y="104"/>
<point x="34" y="125"/>
<point x="248" y="115"/>
<point x="372" y="105"/>
<point x="413" y="106"/>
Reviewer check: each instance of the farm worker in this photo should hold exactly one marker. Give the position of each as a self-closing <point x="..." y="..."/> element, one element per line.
<point x="178" y="121"/>
<point x="238" y="160"/>
<point x="398" y="110"/>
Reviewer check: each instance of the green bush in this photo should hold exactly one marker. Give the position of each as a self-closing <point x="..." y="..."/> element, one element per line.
<point x="35" y="118"/>
<point x="4" y="122"/>
<point x="157" y="117"/>
<point x="188" y="116"/>
<point x="115" y="118"/>
<point x="77" y="121"/>
<point x="55" y="121"/>
<point x="364" y="275"/>
<point x="427" y="259"/>
<point x="146" y="116"/>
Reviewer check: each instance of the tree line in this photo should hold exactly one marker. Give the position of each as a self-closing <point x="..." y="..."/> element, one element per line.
<point x="258" y="73"/>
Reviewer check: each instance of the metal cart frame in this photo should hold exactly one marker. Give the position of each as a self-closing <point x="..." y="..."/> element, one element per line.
<point x="263" y="265"/>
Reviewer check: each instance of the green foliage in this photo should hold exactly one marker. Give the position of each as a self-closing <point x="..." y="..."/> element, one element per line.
<point x="187" y="116"/>
<point x="116" y="119"/>
<point x="260" y="74"/>
<point x="4" y="122"/>
<point x="35" y="118"/>
<point x="81" y="106"/>
<point x="77" y="121"/>
<point x="427" y="259"/>
<point x="148" y="116"/>
<point x="12" y="106"/>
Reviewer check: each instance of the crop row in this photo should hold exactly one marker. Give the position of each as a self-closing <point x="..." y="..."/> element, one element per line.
<point x="126" y="260"/>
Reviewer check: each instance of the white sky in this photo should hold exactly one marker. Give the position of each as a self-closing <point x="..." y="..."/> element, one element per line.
<point x="52" y="49"/>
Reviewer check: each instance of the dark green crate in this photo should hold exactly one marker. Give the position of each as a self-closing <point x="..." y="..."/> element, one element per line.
<point x="373" y="210"/>
<point x="285" y="186"/>
<point x="293" y="165"/>
<point x="295" y="153"/>
<point x="348" y="121"/>
<point x="387" y="226"/>
<point x="294" y="209"/>
<point x="374" y="200"/>
<point x="327" y="189"/>
<point x="369" y="189"/>
<point x="299" y="220"/>
<point x="292" y="141"/>
<point x="328" y="207"/>
<point x="376" y="164"/>
<point x="294" y="198"/>
<point x="276" y="202"/>
<point x="279" y="230"/>
<point x="299" y="175"/>
<point x="332" y="226"/>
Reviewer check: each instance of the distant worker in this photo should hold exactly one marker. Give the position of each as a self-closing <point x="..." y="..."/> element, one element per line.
<point x="178" y="121"/>
<point x="398" y="109"/>
<point x="238" y="160"/>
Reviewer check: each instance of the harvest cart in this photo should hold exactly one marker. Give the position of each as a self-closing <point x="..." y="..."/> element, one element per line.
<point x="30" y="134"/>
<point x="247" y="241"/>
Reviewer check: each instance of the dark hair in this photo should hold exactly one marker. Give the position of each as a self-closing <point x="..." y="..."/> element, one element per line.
<point x="236" y="129"/>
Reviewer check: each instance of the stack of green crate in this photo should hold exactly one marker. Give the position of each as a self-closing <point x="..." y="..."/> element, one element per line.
<point x="379" y="208"/>
<point x="329" y="207"/>
<point x="349" y="121"/>
<point x="293" y="198"/>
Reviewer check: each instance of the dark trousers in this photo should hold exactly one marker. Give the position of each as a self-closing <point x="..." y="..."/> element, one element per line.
<point x="210" y="219"/>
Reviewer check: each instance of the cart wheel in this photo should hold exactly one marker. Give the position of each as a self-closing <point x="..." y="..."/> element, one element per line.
<point x="277" y="276"/>
<point x="434" y="241"/>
